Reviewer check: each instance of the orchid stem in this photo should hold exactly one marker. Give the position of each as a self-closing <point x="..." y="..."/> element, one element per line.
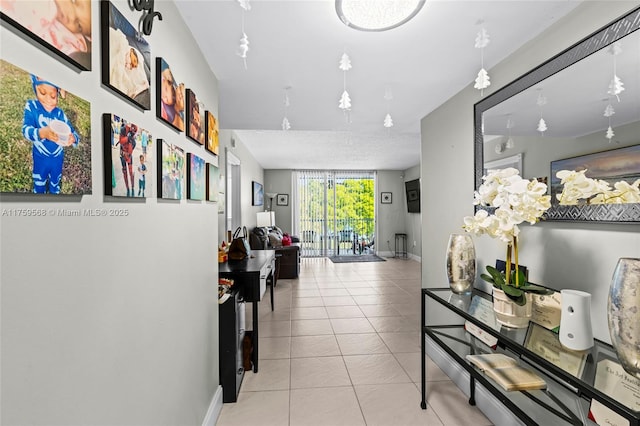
<point x="515" y="255"/>
<point x="508" y="271"/>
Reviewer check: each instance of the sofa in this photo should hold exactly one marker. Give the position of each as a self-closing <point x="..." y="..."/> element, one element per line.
<point x="287" y="257"/>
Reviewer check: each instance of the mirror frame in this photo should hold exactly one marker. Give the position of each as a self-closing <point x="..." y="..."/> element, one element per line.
<point x="621" y="27"/>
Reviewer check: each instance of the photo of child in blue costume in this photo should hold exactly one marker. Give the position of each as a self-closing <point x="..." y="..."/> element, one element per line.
<point x="45" y="135"/>
<point x="40" y="115"/>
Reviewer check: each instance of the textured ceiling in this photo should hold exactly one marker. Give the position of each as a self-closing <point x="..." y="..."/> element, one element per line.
<point x="298" y="44"/>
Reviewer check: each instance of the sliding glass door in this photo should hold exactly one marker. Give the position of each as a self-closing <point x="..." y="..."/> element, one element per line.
<point x="335" y="212"/>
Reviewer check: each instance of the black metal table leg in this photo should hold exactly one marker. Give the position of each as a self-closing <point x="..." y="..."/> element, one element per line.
<point x="472" y="390"/>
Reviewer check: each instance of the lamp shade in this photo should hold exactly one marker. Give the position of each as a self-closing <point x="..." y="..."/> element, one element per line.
<point x="266" y="219"/>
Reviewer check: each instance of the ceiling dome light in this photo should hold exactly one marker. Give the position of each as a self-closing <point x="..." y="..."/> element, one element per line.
<point x="377" y="15"/>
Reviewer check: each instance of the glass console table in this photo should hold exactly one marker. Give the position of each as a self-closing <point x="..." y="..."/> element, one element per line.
<point x="570" y="387"/>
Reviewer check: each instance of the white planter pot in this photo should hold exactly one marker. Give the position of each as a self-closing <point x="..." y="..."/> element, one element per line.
<point x="510" y="314"/>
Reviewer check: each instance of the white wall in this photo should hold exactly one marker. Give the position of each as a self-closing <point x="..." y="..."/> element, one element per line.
<point x="250" y="171"/>
<point x="561" y="255"/>
<point x="111" y="320"/>
<point x="280" y="181"/>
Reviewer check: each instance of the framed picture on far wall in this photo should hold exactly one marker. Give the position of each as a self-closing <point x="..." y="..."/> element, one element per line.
<point x="70" y="40"/>
<point x="196" y="184"/>
<point x="212" y="182"/>
<point x="195" y="118"/>
<point x="282" y="199"/>
<point x="212" y="142"/>
<point x="171" y="171"/>
<point x="128" y="158"/>
<point x="385" y="197"/>
<point x="170" y="96"/>
<point x="257" y="194"/>
<point x="45" y="135"/>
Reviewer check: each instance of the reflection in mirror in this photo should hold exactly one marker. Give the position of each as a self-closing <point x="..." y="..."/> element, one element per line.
<point x="584" y="101"/>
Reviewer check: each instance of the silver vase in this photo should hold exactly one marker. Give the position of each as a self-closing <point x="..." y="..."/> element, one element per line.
<point x="461" y="263"/>
<point x="623" y="313"/>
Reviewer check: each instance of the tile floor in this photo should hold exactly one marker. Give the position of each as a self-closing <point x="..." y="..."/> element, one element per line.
<point x="343" y="348"/>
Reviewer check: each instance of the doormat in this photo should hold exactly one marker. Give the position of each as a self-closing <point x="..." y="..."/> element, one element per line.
<point x="360" y="258"/>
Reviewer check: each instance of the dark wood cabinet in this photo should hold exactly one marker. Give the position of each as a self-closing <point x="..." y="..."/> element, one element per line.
<point x="231" y="322"/>
<point x="289" y="258"/>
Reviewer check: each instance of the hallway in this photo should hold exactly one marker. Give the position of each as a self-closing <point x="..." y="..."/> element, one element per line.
<point x="343" y="348"/>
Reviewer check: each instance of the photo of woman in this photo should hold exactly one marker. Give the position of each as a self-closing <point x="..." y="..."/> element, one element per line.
<point x="195" y="118"/>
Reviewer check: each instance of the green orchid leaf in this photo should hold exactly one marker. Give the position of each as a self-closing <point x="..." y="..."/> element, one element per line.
<point x="512" y="291"/>
<point x="521" y="301"/>
<point x="487" y="278"/>
<point x="497" y="276"/>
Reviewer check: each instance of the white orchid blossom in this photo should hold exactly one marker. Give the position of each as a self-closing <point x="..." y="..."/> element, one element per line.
<point x="516" y="200"/>
<point x="577" y="186"/>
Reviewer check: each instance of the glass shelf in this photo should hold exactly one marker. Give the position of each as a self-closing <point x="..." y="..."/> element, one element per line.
<point x="569" y="388"/>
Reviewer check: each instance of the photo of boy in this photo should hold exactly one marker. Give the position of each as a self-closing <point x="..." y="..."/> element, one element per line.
<point x="65" y="25"/>
<point x="46" y="143"/>
<point x="131" y="146"/>
<point x="142" y="180"/>
<point x="49" y="130"/>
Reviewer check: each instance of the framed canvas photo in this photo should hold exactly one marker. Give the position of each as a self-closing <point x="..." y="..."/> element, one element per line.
<point x="171" y="171"/>
<point x="213" y="182"/>
<point x="615" y="165"/>
<point x="385" y="197"/>
<point x="257" y="194"/>
<point x="43" y="149"/>
<point x="170" y="96"/>
<point x="126" y="58"/>
<point x="69" y="40"/>
<point x="212" y="133"/>
<point x="196" y="184"/>
<point x="195" y="118"/>
<point x="282" y="199"/>
<point x="128" y="158"/>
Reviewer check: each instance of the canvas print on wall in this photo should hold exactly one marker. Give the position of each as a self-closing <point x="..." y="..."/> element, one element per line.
<point x="126" y="58"/>
<point x="195" y="118"/>
<point x="171" y="171"/>
<point x="212" y="182"/>
<point x="212" y="140"/>
<point x="63" y="27"/>
<point x="196" y="183"/>
<point x="45" y="135"/>
<point x="128" y="158"/>
<point x="622" y="164"/>
<point x="170" y="96"/>
<point x="257" y="197"/>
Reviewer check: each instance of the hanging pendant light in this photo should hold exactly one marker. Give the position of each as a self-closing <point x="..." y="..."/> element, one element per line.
<point x="285" y="121"/>
<point x="541" y="101"/>
<point x="244" y="40"/>
<point x="345" y="100"/>
<point x="482" y="80"/>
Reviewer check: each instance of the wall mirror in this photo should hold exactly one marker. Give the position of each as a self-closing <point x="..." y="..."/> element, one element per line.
<point x="557" y="112"/>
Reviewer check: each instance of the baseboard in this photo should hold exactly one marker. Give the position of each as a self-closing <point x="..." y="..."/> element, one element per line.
<point x="391" y="254"/>
<point x="214" y="409"/>
<point x="493" y="409"/>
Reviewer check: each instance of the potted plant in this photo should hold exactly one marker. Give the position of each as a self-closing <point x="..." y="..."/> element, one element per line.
<point x="514" y="200"/>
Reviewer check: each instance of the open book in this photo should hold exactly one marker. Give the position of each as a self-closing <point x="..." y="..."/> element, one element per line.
<point x="505" y="371"/>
